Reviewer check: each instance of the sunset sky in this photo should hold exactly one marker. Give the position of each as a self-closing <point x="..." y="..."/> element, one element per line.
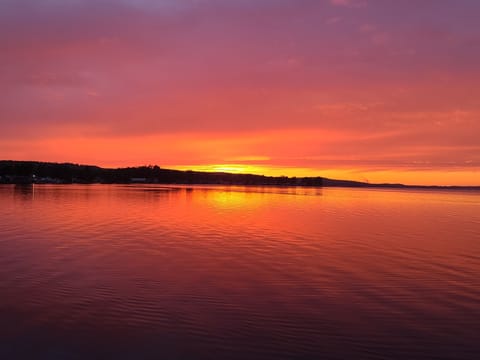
<point x="369" y="90"/>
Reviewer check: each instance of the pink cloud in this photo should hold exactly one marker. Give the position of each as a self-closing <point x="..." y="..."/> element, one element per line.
<point x="393" y="91"/>
<point x="349" y="3"/>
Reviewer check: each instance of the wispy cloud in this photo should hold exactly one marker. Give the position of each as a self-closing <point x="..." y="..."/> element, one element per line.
<point x="333" y="20"/>
<point x="349" y="3"/>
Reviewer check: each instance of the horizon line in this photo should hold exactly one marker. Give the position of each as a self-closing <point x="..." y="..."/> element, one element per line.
<point x="352" y="182"/>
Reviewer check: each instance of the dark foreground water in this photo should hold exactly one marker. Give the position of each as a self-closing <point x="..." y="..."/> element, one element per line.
<point x="145" y="272"/>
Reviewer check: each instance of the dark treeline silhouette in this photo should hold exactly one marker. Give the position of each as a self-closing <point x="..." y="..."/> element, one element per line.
<point x="43" y="172"/>
<point x="28" y="172"/>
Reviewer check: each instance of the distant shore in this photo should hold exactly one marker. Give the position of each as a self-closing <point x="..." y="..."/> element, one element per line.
<point x="35" y="172"/>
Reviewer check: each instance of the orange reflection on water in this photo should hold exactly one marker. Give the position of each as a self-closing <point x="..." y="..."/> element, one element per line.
<point x="203" y="263"/>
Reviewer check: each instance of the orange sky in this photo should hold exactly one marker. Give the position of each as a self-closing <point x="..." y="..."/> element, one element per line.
<point x="369" y="90"/>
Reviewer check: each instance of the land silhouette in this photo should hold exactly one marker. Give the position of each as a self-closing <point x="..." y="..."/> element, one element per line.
<point x="29" y="172"/>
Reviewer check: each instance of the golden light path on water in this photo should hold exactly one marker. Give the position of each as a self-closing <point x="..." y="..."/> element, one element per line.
<point x="238" y="272"/>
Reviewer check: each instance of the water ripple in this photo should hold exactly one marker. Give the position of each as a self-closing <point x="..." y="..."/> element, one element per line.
<point x="218" y="272"/>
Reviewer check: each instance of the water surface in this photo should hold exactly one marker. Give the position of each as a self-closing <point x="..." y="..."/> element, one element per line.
<point x="129" y="272"/>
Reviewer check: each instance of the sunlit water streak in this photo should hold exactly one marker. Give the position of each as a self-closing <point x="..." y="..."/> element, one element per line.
<point x="132" y="272"/>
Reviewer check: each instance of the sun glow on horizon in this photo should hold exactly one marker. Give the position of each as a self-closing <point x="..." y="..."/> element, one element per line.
<point x="407" y="177"/>
<point x="249" y="169"/>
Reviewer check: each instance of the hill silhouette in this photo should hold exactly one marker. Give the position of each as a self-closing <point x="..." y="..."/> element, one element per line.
<point x="67" y="173"/>
<point x="26" y="172"/>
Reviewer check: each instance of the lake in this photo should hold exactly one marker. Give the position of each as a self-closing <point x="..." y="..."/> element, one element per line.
<point x="211" y="272"/>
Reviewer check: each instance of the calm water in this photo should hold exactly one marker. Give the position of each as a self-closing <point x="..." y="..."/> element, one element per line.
<point x="130" y="272"/>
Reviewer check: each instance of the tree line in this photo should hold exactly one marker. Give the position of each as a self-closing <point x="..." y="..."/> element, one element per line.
<point x="67" y="173"/>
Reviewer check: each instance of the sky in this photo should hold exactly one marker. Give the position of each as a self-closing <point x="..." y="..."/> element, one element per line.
<point x="369" y="90"/>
